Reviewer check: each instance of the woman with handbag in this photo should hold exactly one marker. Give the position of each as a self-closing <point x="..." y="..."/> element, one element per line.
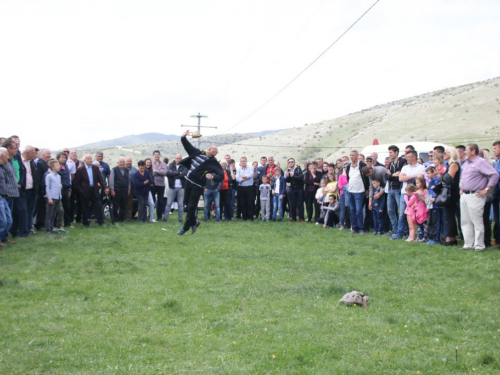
<point x="451" y="207"/>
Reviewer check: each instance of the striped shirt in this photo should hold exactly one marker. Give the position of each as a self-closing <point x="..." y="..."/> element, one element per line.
<point x="195" y="163"/>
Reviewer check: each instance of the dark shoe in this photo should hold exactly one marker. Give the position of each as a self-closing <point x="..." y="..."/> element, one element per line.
<point x="449" y="243"/>
<point x="292" y="220"/>
<point x="301" y="220"/>
<point x="194" y="227"/>
<point x="181" y="232"/>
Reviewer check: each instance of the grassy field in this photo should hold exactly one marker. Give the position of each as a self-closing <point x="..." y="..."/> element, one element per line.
<point x="259" y="298"/>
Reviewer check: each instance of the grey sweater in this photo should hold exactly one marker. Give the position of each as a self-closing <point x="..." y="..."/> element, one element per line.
<point x="53" y="186"/>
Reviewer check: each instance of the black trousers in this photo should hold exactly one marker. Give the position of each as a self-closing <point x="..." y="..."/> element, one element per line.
<point x="95" y="202"/>
<point x="451" y="221"/>
<point x="157" y="192"/>
<point x="65" y="201"/>
<point x="120" y="204"/>
<point x="487" y="223"/>
<point x="40" y="211"/>
<point x="296" y="202"/>
<point x="246" y="197"/>
<point x="311" y="204"/>
<point x="193" y="193"/>
<point x="225" y="203"/>
<point x="331" y="221"/>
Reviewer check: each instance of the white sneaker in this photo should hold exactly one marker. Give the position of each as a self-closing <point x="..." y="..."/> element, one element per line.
<point x="153" y="220"/>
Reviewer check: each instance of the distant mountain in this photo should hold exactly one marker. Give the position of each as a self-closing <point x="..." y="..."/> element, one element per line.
<point x="130" y="140"/>
<point x="266" y="132"/>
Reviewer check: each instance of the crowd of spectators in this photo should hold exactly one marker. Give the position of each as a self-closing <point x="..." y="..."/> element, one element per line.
<point x="444" y="200"/>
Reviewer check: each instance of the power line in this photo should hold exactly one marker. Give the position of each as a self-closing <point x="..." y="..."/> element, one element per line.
<point x="303" y="71"/>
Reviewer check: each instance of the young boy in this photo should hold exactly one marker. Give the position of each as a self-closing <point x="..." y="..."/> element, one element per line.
<point x="279" y="188"/>
<point x="435" y="213"/>
<point x="378" y="208"/>
<point x="265" y="196"/>
<point x="331" y="217"/>
<point x="52" y="194"/>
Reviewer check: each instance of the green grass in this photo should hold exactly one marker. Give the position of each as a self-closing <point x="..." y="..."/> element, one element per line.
<point x="244" y="298"/>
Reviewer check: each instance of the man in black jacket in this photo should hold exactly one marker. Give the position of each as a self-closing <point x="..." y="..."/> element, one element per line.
<point x="201" y="165"/>
<point x="42" y="167"/>
<point x="394" y="194"/>
<point x="176" y="175"/>
<point x="119" y="185"/>
<point x="295" y="190"/>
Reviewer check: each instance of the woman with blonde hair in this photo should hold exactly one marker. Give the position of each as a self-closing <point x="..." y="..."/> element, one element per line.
<point x="451" y="209"/>
<point x="439" y="162"/>
<point x="331" y="185"/>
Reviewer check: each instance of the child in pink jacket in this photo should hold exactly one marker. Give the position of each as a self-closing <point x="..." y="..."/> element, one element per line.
<point x="416" y="210"/>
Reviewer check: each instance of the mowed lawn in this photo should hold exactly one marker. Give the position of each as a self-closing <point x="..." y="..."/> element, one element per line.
<point x="244" y="298"/>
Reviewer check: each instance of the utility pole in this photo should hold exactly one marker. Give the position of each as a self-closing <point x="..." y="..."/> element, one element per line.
<point x="198" y="116"/>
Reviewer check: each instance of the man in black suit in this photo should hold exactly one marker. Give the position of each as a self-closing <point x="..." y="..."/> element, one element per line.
<point x="42" y="167"/>
<point x="88" y="180"/>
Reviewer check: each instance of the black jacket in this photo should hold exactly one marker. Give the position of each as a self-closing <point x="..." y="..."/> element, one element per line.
<point x="210" y="165"/>
<point x="393" y="182"/>
<point x="176" y="174"/>
<point x="310" y="182"/>
<point x="296" y="181"/>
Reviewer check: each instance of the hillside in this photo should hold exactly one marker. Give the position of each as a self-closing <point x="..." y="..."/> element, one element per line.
<point x="132" y="139"/>
<point x="458" y="115"/>
<point x="167" y="148"/>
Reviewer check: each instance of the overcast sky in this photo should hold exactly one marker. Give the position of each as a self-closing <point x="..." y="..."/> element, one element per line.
<point x="74" y="72"/>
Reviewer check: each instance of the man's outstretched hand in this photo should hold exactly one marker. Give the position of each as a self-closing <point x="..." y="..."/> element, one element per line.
<point x="186" y="133"/>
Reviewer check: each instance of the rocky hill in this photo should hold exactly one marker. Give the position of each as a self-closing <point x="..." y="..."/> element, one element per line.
<point x="458" y="115"/>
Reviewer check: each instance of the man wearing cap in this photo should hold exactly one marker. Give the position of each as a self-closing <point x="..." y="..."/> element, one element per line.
<point x="201" y="166"/>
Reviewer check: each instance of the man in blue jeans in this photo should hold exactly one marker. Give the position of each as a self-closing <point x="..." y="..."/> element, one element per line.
<point x="358" y="186"/>
<point x="211" y="195"/>
<point x="394" y="194"/>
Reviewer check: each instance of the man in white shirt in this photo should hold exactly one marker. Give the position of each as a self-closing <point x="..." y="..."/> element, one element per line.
<point x="358" y="186"/>
<point x="244" y="177"/>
